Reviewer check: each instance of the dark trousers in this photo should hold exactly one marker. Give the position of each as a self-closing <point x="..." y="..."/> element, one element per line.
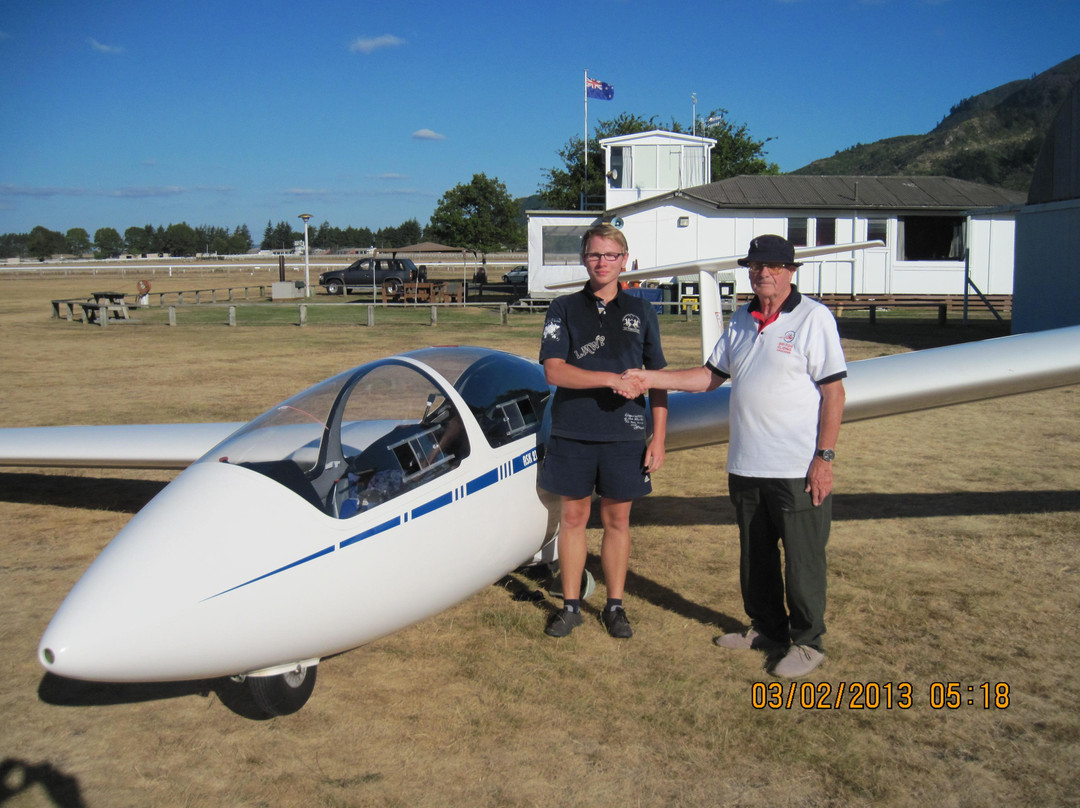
<point x="771" y="512"/>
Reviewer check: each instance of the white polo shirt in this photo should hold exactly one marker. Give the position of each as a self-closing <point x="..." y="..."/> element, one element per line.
<point x="775" y="402"/>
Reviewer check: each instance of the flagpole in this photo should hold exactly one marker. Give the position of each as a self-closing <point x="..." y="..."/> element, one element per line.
<point x="585" y="185"/>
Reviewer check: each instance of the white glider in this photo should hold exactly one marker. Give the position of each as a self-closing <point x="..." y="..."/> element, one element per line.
<point x="287" y="540"/>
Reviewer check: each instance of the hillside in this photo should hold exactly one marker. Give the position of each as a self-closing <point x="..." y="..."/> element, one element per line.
<point x="992" y="138"/>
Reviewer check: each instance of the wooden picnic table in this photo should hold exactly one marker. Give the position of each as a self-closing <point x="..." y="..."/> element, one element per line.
<point x="430" y="292"/>
<point x="108" y="297"/>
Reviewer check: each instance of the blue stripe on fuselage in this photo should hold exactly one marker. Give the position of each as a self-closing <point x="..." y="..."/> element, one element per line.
<point x="505" y="470"/>
<point x="371" y="532"/>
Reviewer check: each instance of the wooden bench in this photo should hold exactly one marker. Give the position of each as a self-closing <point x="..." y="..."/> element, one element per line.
<point x="101" y="312"/>
<point x="530" y="304"/>
<point x="70" y="304"/>
<point x="943" y="303"/>
<point x="449" y="293"/>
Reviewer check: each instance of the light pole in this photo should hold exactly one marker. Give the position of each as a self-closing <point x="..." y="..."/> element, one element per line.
<point x="307" y="271"/>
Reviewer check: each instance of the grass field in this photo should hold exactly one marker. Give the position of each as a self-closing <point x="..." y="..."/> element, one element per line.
<point x="952" y="560"/>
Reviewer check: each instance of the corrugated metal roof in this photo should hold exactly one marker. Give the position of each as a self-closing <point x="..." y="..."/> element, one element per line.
<point x="886" y="193"/>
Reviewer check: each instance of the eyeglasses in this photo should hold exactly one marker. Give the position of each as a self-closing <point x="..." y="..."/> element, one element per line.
<point x="772" y="268"/>
<point x="594" y="258"/>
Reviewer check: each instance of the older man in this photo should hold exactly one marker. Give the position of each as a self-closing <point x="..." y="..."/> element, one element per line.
<point x="782" y="353"/>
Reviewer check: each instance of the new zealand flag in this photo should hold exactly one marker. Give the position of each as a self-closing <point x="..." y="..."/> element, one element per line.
<point x="597" y="89"/>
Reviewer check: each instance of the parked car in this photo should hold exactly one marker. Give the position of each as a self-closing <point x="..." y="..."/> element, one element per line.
<point x="361" y="275"/>
<point x="519" y="275"/>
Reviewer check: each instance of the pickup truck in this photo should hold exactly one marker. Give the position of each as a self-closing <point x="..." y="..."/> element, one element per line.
<point x="362" y="275"/>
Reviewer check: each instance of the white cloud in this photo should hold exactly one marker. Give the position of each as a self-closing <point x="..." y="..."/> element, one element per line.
<point x="148" y="192"/>
<point x="305" y="192"/>
<point x="42" y="191"/>
<point x="101" y="48"/>
<point x="390" y="175"/>
<point x="372" y="44"/>
<point x="427" y="134"/>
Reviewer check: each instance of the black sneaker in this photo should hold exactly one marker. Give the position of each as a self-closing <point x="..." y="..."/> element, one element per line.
<point x="616" y="623"/>
<point x="562" y="623"/>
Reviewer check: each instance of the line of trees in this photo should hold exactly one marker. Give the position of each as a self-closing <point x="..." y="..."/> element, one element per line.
<point x="477" y="215"/>
<point x="176" y="239"/>
<point x="325" y="236"/>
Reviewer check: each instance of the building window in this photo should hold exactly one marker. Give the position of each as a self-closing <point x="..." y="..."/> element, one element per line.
<point x="562" y="244"/>
<point x="658" y="166"/>
<point x="669" y="168"/>
<point x="877" y="229"/>
<point x="825" y="232"/>
<point x="693" y="166"/>
<point x="796" y="231"/>
<point x="645" y="170"/>
<point x="931" y="238"/>
<point x="621" y="163"/>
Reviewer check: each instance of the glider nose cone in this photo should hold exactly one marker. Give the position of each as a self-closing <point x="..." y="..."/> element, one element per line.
<point x="144" y="610"/>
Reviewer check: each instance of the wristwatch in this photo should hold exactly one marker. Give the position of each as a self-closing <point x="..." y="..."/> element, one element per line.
<point x="826" y="454"/>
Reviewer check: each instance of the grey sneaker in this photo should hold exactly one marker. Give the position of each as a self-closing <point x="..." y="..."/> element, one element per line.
<point x="751" y="638"/>
<point x="798" y="661"/>
<point x="562" y="623"/>
<point x="617" y="623"/>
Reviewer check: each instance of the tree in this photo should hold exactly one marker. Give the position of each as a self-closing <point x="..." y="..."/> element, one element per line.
<point x="44" y="243"/>
<point x="240" y="240"/>
<point x="77" y="241"/>
<point x="408" y="232"/>
<point x="180" y="239"/>
<point x="735" y="153"/>
<point x="358" y="237"/>
<point x="478" y="216"/>
<point x="325" y="237"/>
<point x="138" y="239"/>
<point x="107" y="243"/>
<point x="13" y="245"/>
<point x="279" y="237"/>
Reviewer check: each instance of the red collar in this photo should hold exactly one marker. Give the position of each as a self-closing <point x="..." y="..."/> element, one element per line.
<point x="761" y="321"/>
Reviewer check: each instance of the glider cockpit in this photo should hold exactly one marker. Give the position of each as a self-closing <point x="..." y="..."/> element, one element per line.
<point x="372" y="433"/>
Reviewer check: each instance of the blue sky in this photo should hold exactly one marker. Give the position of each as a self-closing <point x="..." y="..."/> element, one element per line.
<point x="361" y="113"/>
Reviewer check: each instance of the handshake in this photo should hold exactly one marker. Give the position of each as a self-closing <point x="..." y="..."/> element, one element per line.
<point x="632" y="383"/>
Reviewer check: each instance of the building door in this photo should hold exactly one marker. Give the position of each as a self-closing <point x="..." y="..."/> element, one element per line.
<point x="874" y="263"/>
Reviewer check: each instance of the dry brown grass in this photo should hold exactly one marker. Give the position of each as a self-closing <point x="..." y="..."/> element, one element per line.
<point x="952" y="559"/>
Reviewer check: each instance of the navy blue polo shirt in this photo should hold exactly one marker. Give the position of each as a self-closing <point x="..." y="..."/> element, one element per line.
<point x="615" y="337"/>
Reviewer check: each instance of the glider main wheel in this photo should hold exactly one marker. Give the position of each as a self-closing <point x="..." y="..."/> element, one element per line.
<point x="285" y="693"/>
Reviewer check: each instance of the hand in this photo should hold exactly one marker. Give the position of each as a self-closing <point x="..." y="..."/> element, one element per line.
<point x="639" y="379"/>
<point x="819" y="480"/>
<point x="654" y="456"/>
<point x="631" y="384"/>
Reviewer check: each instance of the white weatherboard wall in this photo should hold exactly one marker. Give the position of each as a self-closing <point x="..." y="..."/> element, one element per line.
<point x="657" y="237"/>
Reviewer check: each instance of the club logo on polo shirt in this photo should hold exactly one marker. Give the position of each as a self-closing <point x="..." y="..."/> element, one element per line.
<point x="553" y="330"/>
<point x="631" y="323"/>
<point x="784" y="346"/>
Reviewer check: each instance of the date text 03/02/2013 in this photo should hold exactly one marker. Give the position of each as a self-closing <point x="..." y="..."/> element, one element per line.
<point x="878" y="695"/>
